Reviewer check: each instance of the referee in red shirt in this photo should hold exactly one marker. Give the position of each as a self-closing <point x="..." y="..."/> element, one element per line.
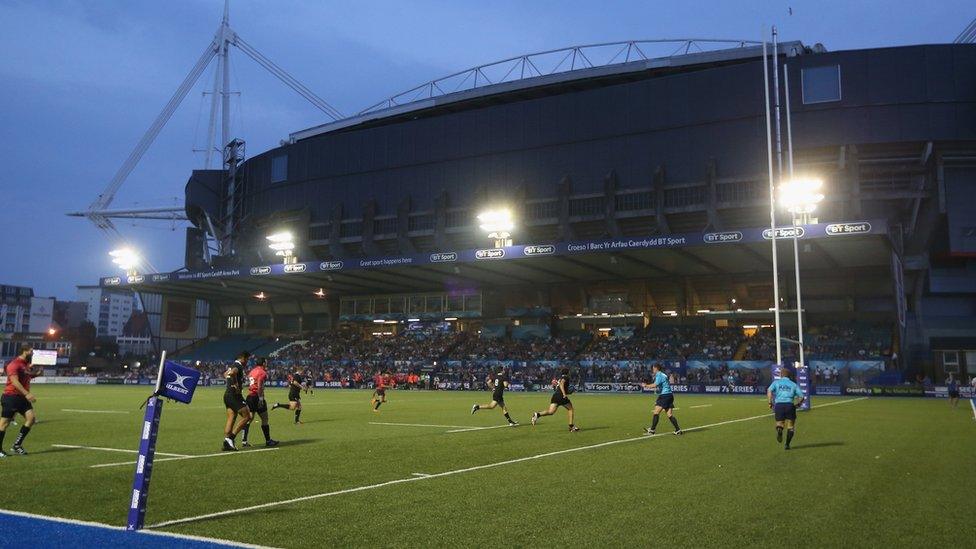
<point x="17" y="398"/>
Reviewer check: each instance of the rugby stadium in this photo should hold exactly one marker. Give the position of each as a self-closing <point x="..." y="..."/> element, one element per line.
<point x="613" y="227"/>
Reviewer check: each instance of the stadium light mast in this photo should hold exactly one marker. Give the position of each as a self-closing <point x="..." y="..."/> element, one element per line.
<point x="498" y="224"/>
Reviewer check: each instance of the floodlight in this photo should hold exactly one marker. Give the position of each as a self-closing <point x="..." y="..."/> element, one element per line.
<point x="801" y="196"/>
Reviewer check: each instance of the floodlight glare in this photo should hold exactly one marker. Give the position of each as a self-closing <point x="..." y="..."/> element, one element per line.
<point x="283" y="236"/>
<point x="126" y="258"/>
<point x="498" y="224"/>
<point x="283" y="245"/>
<point x="800" y="196"/>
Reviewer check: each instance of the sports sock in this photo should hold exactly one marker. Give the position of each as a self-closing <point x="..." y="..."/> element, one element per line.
<point x="378" y="402"/>
<point x="478" y="407"/>
<point x="789" y="436"/>
<point x="266" y="429"/>
<point x="280" y="405"/>
<point x="508" y="417"/>
<point x="298" y="413"/>
<point x="675" y="423"/>
<point x="2" y="433"/>
<point x="247" y="429"/>
<point x="23" y="434"/>
<point x="654" y="422"/>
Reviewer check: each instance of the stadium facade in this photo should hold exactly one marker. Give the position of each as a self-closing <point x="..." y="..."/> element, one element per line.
<point x="640" y="191"/>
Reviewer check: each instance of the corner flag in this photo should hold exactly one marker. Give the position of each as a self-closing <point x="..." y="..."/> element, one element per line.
<point x="176" y="382"/>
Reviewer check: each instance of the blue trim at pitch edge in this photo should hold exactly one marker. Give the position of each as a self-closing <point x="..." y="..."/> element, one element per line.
<point x="43" y="532"/>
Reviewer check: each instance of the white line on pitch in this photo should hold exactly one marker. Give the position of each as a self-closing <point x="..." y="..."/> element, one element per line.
<point x="423" y="425"/>
<point x="114" y="450"/>
<point x="420" y="474"/>
<point x="94" y="411"/>
<point x="466" y="429"/>
<point x="700" y="406"/>
<point x="185" y="457"/>
<point x="458" y="471"/>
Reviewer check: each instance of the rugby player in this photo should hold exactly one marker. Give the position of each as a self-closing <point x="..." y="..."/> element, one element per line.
<point x="781" y="395"/>
<point x="665" y="400"/>
<point x="560" y="397"/>
<point x="17" y="398"/>
<point x="256" y="403"/>
<point x="953" y="387"/>
<point x="234" y="402"/>
<point x="295" y="385"/>
<point x="498" y="383"/>
<point x="379" y="393"/>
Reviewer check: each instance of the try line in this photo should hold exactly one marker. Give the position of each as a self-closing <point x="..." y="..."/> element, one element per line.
<point x="460" y="471"/>
<point x="453" y="428"/>
<point x="178" y="458"/>
<point x="94" y="411"/>
<point x="103" y="449"/>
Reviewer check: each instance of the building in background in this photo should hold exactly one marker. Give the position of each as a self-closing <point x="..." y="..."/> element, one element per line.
<point x="15" y="304"/>
<point x="70" y="315"/>
<point x="23" y="313"/>
<point x="107" y="308"/>
<point x="136" y="337"/>
<point x="26" y="317"/>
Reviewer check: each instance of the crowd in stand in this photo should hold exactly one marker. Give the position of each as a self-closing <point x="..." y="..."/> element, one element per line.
<point x="427" y="359"/>
<point x="673" y="343"/>
<point x="824" y="343"/>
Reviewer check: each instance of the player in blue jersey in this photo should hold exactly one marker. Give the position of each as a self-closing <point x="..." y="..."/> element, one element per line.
<point x="782" y="395"/>
<point x="953" y="389"/>
<point x="665" y="400"/>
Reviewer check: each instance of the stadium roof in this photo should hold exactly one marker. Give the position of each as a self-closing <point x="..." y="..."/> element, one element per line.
<point x="830" y="250"/>
<point x="552" y="67"/>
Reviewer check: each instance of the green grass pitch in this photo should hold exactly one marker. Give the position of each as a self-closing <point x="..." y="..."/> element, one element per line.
<point x="868" y="472"/>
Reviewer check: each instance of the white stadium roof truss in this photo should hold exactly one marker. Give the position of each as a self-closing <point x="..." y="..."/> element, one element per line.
<point x="555" y="61"/>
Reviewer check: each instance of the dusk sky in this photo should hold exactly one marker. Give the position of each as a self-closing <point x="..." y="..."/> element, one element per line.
<point x="82" y="81"/>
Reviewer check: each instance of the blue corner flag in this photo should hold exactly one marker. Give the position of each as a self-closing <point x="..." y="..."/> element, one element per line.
<point x="176" y="382"/>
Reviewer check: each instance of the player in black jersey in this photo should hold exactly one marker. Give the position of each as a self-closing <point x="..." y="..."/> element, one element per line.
<point x="295" y="385"/>
<point x="236" y="406"/>
<point x="498" y="384"/>
<point x="560" y="397"/>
